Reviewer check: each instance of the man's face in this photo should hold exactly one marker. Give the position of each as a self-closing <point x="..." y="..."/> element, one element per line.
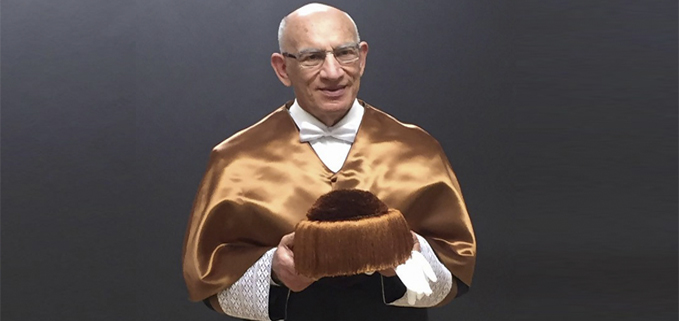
<point x="326" y="91"/>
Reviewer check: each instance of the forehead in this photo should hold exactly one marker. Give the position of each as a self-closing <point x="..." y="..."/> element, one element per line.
<point x="321" y="31"/>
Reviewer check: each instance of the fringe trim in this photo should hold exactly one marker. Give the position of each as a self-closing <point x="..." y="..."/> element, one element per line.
<point x="343" y="248"/>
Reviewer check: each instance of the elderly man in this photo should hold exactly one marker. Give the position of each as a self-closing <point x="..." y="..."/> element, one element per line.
<point x="260" y="183"/>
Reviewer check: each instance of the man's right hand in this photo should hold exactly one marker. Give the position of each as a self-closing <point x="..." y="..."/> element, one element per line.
<point x="283" y="265"/>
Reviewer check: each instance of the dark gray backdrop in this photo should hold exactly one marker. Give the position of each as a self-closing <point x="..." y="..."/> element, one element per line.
<point x="559" y="118"/>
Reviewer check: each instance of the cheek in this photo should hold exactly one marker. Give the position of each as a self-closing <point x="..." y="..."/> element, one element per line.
<point x="309" y="86"/>
<point x="304" y="85"/>
<point x="354" y="74"/>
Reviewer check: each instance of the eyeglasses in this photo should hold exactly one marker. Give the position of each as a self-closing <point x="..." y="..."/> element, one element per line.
<point x="314" y="58"/>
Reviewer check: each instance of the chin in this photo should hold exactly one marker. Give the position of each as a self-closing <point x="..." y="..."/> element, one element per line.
<point x="338" y="108"/>
<point x="340" y="104"/>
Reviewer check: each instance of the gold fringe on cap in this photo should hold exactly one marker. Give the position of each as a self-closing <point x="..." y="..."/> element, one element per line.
<point x="368" y="237"/>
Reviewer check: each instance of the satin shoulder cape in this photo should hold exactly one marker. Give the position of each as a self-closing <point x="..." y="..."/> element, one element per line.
<point x="261" y="181"/>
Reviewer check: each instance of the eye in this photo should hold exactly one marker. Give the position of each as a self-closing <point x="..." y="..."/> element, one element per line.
<point x="312" y="56"/>
<point x="344" y="52"/>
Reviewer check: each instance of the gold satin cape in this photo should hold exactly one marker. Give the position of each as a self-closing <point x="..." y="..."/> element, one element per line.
<point x="261" y="181"/>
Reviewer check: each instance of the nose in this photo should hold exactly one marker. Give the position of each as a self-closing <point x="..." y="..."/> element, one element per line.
<point x="331" y="68"/>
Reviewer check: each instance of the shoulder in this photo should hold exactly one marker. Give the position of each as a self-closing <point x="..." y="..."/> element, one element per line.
<point x="272" y="127"/>
<point x="391" y="128"/>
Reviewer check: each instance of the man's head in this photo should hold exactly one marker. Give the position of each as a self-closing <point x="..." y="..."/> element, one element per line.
<point x="325" y="82"/>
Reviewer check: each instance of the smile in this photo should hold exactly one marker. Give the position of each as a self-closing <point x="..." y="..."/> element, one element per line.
<point x="334" y="92"/>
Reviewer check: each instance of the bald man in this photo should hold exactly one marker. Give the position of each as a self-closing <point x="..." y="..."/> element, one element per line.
<point x="260" y="182"/>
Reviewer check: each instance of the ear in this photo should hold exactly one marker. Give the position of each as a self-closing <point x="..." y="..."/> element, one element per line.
<point x="363" y="47"/>
<point x="279" y="66"/>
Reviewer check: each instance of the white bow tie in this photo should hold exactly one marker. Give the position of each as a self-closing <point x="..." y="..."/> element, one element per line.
<point x="309" y="132"/>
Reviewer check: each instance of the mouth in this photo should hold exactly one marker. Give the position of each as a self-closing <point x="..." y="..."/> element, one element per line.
<point x="335" y="91"/>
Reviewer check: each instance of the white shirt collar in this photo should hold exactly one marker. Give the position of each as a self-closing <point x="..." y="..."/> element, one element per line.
<point x="350" y="122"/>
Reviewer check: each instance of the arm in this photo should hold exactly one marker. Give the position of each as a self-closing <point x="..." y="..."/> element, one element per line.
<point x="248" y="298"/>
<point x="435" y="208"/>
<point x="255" y="296"/>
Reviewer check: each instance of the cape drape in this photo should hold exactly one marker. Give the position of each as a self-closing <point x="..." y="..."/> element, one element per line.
<point x="261" y="181"/>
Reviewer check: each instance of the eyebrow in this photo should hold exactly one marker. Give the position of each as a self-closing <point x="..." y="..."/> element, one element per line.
<point x="342" y="46"/>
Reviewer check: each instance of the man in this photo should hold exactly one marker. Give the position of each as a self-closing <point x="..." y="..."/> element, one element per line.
<point x="260" y="183"/>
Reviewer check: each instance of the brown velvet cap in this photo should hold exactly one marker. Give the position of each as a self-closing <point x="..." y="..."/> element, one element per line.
<point x="346" y="204"/>
<point x="349" y="232"/>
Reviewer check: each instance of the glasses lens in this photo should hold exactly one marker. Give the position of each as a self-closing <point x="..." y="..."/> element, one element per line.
<point x="311" y="59"/>
<point x="346" y="55"/>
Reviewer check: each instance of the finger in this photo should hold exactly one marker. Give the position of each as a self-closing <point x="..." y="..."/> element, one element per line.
<point x="416" y="242"/>
<point x="411" y="297"/>
<point x="427" y="289"/>
<point x="411" y="276"/>
<point x="423" y="284"/>
<point x="304" y="278"/>
<point x="424" y="265"/>
<point x="404" y="273"/>
<point x="295" y="281"/>
<point x="414" y="236"/>
<point x="298" y="282"/>
<point x="299" y="286"/>
<point x="283" y="258"/>
<point x="288" y="239"/>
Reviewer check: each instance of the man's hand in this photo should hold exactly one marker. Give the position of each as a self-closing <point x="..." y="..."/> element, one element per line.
<point x="416" y="247"/>
<point x="283" y="265"/>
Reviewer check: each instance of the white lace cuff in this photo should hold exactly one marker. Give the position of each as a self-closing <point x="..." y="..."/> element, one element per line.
<point x="248" y="298"/>
<point x="440" y="288"/>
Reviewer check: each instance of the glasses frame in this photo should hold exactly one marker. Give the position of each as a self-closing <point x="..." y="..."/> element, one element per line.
<point x="356" y="46"/>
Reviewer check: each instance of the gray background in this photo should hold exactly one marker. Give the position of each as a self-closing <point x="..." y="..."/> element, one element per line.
<point x="559" y="117"/>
